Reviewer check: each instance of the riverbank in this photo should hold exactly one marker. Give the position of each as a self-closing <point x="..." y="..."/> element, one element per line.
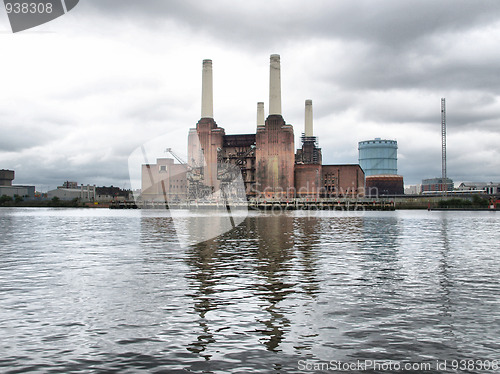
<point x="51" y="204"/>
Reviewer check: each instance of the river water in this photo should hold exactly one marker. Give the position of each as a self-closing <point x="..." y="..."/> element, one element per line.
<point x="113" y="291"/>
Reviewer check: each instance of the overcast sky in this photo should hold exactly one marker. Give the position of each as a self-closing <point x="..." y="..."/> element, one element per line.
<point x="79" y="94"/>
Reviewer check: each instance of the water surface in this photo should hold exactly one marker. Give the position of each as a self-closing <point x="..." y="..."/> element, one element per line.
<point x="113" y="291"/>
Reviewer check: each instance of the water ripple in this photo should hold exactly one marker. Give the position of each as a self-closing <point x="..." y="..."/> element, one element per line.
<point x="112" y="291"/>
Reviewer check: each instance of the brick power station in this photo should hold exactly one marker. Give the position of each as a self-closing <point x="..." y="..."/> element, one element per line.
<point x="269" y="164"/>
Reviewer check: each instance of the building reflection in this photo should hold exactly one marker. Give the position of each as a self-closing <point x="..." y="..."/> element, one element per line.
<point x="273" y="255"/>
<point x="307" y="233"/>
<point x="380" y="250"/>
<point x="202" y="260"/>
<point x="280" y="259"/>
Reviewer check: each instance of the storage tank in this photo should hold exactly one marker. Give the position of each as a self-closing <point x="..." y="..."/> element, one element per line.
<point x="378" y="156"/>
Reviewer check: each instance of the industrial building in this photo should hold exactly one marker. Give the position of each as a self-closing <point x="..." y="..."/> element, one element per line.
<point x="164" y="180"/>
<point x="379" y="160"/>
<point x="267" y="160"/>
<point x="71" y="190"/>
<point x="489" y="188"/>
<point x="436" y="185"/>
<point x="7" y="189"/>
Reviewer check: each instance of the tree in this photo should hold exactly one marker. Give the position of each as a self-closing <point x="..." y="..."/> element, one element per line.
<point x="55" y="201"/>
<point x="4" y="199"/>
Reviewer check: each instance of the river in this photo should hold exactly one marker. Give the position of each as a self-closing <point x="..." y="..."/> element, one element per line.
<point x="96" y="290"/>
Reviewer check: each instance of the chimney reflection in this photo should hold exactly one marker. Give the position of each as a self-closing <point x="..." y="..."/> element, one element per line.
<point x="307" y="241"/>
<point x="201" y="259"/>
<point x="274" y="254"/>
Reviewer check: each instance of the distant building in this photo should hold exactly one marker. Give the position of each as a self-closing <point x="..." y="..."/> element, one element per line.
<point x="108" y="194"/>
<point x="472" y="186"/>
<point x="413" y="190"/>
<point x="7" y="189"/>
<point x="83" y="193"/>
<point x="71" y="185"/>
<point x="6" y="177"/>
<point x="489" y="188"/>
<point x="436" y="185"/>
<point x="493" y="188"/>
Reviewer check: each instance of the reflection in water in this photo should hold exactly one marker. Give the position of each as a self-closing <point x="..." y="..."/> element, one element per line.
<point x="444" y="282"/>
<point x="307" y="234"/>
<point x="273" y="257"/>
<point x="113" y="291"/>
<point x="379" y="251"/>
<point x="199" y="225"/>
<point x="201" y="260"/>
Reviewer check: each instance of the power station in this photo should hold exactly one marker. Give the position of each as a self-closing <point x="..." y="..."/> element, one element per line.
<point x="269" y="163"/>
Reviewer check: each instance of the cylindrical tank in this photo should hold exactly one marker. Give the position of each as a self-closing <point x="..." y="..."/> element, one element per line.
<point x="378" y="156"/>
<point x="382" y="185"/>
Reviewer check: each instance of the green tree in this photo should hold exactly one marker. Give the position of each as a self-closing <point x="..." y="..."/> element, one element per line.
<point x="55" y="201"/>
<point x="478" y="201"/>
<point x="5" y="200"/>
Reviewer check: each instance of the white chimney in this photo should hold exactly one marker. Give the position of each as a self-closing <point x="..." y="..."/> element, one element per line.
<point x="309" y="118"/>
<point x="275" y="86"/>
<point x="261" y="120"/>
<point x="207" y="95"/>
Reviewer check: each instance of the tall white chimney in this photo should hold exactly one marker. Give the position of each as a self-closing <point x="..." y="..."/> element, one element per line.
<point x="207" y="94"/>
<point x="275" y="86"/>
<point x="309" y="118"/>
<point x="261" y="119"/>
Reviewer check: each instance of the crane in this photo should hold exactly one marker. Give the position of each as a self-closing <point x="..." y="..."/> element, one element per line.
<point x="194" y="175"/>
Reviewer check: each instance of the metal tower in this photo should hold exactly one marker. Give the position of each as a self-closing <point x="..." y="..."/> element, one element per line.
<point x="443" y="146"/>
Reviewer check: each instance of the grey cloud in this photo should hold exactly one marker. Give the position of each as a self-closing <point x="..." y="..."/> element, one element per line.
<point x="379" y="48"/>
<point x="391" y="23"/>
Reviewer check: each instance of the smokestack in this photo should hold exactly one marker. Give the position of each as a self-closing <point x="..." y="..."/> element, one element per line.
<point x="275" y="86"/>
<point x="261" y="119"/>
<point x="207" y="94"/>
<point x="309" y="118"/>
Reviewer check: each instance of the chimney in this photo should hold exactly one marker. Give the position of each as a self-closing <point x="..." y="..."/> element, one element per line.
<point x="261" y="120"/>
<point x="309" y="118"/>
<point x="207" y="95"/>
<point x="275" y="86"/>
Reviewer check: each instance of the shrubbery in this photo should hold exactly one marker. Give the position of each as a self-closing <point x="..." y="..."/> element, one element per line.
<point x="477" y="202"/>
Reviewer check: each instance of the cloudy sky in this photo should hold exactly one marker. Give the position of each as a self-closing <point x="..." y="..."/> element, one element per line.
<point x="79" y="94"/>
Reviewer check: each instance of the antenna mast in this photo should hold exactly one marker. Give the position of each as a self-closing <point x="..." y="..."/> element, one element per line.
<point x="443" y="146"/>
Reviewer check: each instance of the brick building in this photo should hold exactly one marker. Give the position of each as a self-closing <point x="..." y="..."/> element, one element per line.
<point x="267" y="161"/>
